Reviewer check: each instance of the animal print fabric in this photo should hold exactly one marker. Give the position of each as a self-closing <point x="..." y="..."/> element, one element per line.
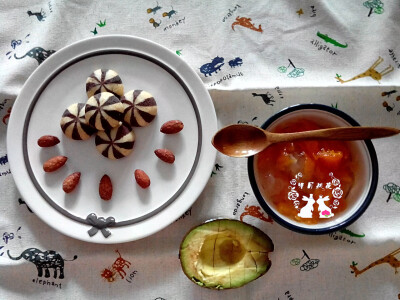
<point x="255" y="58"/>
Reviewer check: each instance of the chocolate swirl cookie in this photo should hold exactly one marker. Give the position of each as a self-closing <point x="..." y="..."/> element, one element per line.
<point x="115" y="143"/>
<point x="73" y="122"/>
<point x="140" y="108"/>
<point x="104" y="111"/>
<point x="104" y="80"/>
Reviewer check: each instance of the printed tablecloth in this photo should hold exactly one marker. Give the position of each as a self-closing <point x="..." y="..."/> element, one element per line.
<point x="255" y="58"/>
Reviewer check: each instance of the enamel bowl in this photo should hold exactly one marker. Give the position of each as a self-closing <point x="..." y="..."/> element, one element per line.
<point x="357" y="197"/>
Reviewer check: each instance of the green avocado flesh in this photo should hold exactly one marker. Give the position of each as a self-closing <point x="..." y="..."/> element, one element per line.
<point x="223" y="254"/>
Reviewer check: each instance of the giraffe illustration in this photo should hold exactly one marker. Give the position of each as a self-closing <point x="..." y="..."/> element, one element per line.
<point x="390" y="259"/>
<point x="267" y="98"/>
<point x="371" y="72"/>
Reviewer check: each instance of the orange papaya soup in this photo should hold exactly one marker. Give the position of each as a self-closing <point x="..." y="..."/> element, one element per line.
<point x="306" y="181"/>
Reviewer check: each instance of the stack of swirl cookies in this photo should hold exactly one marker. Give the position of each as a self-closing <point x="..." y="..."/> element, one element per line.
<point x="110" y="114"/>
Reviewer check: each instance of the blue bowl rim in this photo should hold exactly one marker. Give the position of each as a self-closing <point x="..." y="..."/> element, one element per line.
<point x="349" y="220"/>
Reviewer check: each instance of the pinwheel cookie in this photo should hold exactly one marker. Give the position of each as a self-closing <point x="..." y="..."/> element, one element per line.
<point x="115" y="143"/>
<point x="104" y="111"/>
<point x="73" y="122"/>
<point x="140" y="108"/>
<point x="104" y="80"/>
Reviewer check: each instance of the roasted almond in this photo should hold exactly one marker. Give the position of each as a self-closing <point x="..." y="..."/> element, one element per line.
<point x="54" y="163"/>
<point x="71" y="181"/>
<point x="142" y="178"/>
<point x="165" y="155"/>
<point x="48" y="141"/>
<point x="105" y="188"/>
<point x="172" y="127"/>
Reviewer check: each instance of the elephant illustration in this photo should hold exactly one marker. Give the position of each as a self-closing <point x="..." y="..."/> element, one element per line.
<point x="37" y="53"/>
<point x="44" y="260"/>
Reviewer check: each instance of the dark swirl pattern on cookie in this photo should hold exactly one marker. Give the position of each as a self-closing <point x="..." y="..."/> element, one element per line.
<point x="73" y="122"/>
<point x="104" y="111"/>
<point x="104" y="80"/>
<point x="115" y="143"/>
<point x="140" y="108"/>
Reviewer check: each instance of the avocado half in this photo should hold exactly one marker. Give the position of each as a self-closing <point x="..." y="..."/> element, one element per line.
<point x="224" y="254"/>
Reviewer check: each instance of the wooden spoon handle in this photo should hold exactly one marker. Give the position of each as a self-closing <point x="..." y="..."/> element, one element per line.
<point x="339" y="133"/>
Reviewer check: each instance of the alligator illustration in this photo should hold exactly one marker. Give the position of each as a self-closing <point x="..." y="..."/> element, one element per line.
<point x="235" y="62"/>
<point x="44" y="260"/>
<point x="212" y="67"/>
<point x="37" y="53"/>
<point x="327" y="39"/>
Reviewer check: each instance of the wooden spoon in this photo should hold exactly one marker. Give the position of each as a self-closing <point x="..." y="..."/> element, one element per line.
<point x="241" y="140"/>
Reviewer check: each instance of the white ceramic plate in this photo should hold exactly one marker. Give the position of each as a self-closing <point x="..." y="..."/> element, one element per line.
<point x="132" y="213"/>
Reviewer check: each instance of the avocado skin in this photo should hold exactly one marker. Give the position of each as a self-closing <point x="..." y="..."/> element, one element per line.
<point x="225" y="254"/>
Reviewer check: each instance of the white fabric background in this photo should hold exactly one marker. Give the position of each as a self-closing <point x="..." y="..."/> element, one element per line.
<point x="202" y="36"/>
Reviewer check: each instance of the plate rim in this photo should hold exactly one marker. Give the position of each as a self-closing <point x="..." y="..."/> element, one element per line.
<point x="190" y="80"/>
<point x="53" y="76"/>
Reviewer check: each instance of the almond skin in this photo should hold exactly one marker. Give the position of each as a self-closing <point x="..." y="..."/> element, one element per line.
<point x="105" y="188"/>
<point x="172" y="127"/>
<point x="71" y="181"/>
<point x="54" y="163"/>
<point x="48" y="141"/>
<point x="142" y="179"/>
<point x="165" y="155"/>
